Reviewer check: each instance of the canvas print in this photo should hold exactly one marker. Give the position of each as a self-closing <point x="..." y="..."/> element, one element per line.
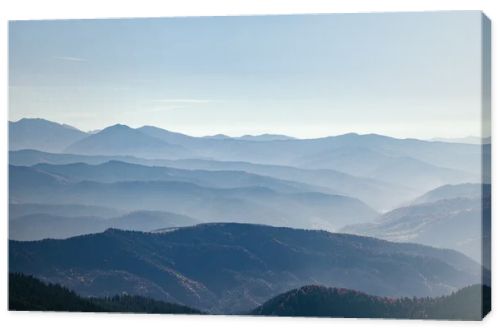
<point x="332" y="165"/>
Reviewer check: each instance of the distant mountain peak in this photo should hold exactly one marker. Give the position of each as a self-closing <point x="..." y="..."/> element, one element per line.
<point x="34" y="119"/>
<point x="117" y="126"/>
<point x="350" y="134"/>
<point x="120" y="139"/>
<point x="41" y="134"/>
<point x="151" y="127"/>
<point x="265" y="137"/>
<point x="217" y="136"/>
<point x="26" y="121"/>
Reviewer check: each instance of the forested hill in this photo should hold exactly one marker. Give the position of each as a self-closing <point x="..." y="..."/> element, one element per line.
<point x="319" y="301"/>
<point x="27" y="293"/>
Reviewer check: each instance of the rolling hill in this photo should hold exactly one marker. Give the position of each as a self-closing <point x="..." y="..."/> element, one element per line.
<point x="343" y="152"/>
<point x="236" y="267"/>
<point x="469" y="303"/>
<point x="351" y="149"/>
<point x="27" y="293"/>
<point x="377" y="194"/>
<point x="455" y="217"/>
<point x="38" y="226"/>
<point x="451" y="191"/>
<point x="118" y="171"/>
<point x="247" y="204"/>
<point x="402" y="169"/>
<point x="17" y="210"/>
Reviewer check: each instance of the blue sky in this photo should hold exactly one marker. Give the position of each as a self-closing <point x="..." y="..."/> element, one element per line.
<point x="404" y="75"/>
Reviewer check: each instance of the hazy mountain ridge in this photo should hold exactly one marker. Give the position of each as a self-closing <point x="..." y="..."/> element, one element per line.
<point x="380" y="195"/>
<point x="40" y="134"/>
<point x="246" y="204"/>
<point x="17" y="210"/>
<point x="123" y="140"/>
<point x="231" y="267"/>
<point x="394" y="167"/>
<point x="123" y="177"/>
<point x="456" y="217"/>
<point x="118" y="171"/>
<point x="151" y="141"/>
<point x="465" y="140"/>
<point x="38" y="226"/>
<point x="465" y="190"/>
<point x="265" y="137"/>
<point x="374" y="164"/>
<point x="296" y="152"/>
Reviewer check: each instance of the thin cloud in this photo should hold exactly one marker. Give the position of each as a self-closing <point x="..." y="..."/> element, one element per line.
<point x="74" y="59"/>
<point x="167" y="108"/>
<point x="182" y="101"/>
<point x="167" y="105"/>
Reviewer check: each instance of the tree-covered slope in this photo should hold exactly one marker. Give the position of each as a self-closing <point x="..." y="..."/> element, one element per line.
<point x="229" y="267"/>
<point x="470" y="303"/>
<point x="27" y="293"/>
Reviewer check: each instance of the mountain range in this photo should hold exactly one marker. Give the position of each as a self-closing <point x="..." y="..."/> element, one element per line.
<point x="40" y="134"/>
<point x="118" y="171"/>
<point x="254" y="204"/>
<point x="38" y="226"/>
<point x="456" y="217"/>
<point x="464" y="190"/>
<point x="379" y="195"/>
<point x="232" y="268"/>
<point x="143" y="219"/>
<point x="121" y="140"/>
<point x="17" y="210"/>
<point x="360" y="155"/>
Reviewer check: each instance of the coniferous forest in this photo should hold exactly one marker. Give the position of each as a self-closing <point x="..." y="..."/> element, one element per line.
<point x="28" y="293"/>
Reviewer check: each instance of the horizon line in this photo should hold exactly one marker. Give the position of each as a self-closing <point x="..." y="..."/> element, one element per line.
<point x="255" y="134"/>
